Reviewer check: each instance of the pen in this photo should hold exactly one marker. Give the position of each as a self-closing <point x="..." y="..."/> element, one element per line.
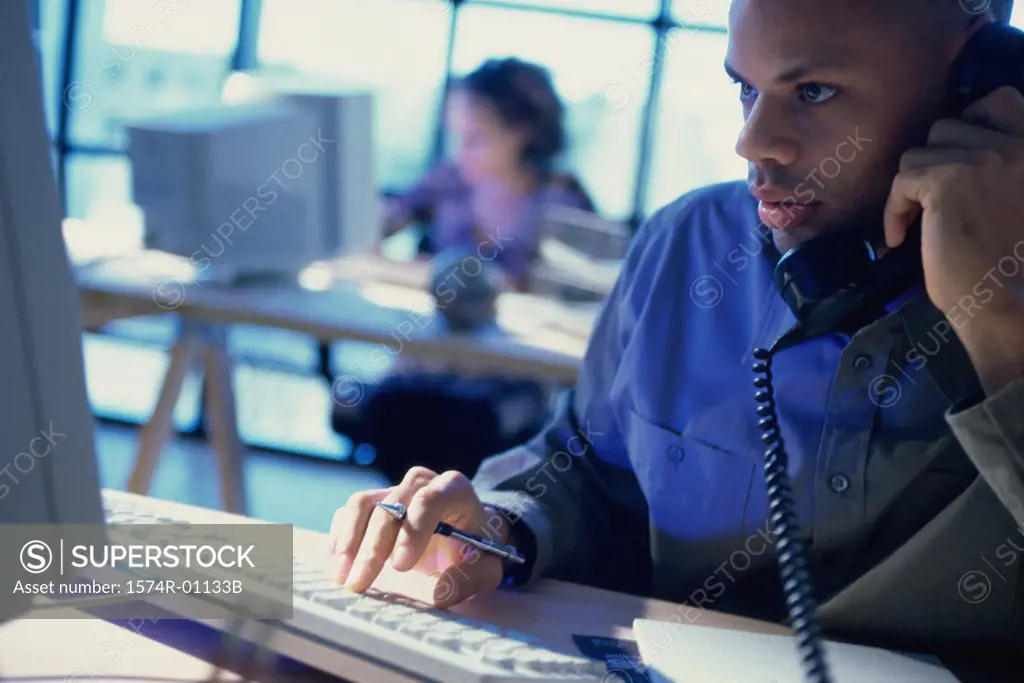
<point x="506" y="552"/>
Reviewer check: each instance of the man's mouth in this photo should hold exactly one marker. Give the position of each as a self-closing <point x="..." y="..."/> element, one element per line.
<point x="778" y="209"/>
<point x="785" y="214"/>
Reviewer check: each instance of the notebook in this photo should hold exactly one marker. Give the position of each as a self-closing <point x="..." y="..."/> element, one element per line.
<point x="683" y="653"/>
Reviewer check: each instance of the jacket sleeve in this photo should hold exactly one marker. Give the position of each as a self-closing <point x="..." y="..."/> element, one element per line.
<point x="571" y="489"/>
<point x="991" y="431"/>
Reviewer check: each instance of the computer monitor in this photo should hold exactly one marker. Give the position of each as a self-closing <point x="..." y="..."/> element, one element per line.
<point x="347" y="197"/>
<point x="232" y="189"/>
<point x="48" y="470"/>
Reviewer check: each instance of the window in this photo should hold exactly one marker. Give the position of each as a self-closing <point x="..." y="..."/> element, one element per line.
<point x="51" y="15"/>
<point x="99" y="189"/>
<point x="598" y="69"/>
<point x="640" y="9"/>
<point x="136" y="58"/>
<point x="394" y="48"/>
<point x="702" y="12"/>
<point x="698" y="121"/>
<point x="1017" y="18"/>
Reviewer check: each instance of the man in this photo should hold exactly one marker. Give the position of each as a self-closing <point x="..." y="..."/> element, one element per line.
<point x="907" y="480"/>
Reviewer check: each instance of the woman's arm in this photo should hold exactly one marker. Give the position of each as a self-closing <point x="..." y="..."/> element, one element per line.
<point x="418" y="202"/>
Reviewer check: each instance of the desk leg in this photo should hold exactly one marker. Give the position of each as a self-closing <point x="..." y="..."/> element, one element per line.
<point x="157" y="429"/>
<point x="222" y="421"/>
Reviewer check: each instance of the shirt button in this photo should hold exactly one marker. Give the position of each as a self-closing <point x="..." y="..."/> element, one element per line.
<point x="676" y="453"/>
<point x="862" y="363"/>
<point x="839" y="482"/>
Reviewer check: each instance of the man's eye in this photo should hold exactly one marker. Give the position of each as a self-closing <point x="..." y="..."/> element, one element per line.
<point x="817" y="93"/>
<point x="746" y="91"/>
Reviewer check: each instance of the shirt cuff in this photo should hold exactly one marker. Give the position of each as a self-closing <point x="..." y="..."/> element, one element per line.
<point x="991" y="431"/>
<point x="521" y="509"/>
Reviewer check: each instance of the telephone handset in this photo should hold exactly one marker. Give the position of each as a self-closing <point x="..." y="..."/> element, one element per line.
<point x="838" y="284"/>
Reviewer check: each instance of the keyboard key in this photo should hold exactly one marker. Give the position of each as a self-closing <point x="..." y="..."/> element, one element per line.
<point x="393" y="616"/>
<point x="472" y="640"/>
<point x="501" y="652"/>
<point x="418" y="625"/>
<point x="364" y="608"/>
<point x="340" y="600"/>
<point x="334" y="597"/>
<point x="445" y="634"/>
<point x="536" y="662"/>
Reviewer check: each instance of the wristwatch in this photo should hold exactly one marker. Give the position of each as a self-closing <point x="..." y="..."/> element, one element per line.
<point x="514" y="573"/>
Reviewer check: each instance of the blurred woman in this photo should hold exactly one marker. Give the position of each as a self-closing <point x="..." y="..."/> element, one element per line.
<point x="506" y="121"/>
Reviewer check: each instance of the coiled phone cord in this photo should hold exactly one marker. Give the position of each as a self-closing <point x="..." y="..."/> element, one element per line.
<point x="796" y="582"/>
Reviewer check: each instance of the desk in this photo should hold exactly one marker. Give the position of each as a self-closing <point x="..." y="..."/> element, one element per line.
<point x="367" y="299"/>
<point x="95" y="650"/>
<point x="354" y="300"/>
<point x="92" y="650"/>
<point x="80" y="649"/>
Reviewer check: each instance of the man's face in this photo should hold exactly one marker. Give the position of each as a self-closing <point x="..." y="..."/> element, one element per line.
<point x="832" y="93"/>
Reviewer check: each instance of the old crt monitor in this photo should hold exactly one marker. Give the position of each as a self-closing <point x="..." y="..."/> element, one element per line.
<point x="234" y="189"/>
<point x="345" y="118"/>
<point x="268" y="184"/>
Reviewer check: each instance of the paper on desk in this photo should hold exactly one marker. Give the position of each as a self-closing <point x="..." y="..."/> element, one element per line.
<point x="682" y="653"/>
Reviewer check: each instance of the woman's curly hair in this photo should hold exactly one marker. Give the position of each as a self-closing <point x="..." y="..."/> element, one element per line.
<point x="523" y="97"/>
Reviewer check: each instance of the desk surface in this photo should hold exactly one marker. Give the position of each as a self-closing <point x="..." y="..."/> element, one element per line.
<point x="66" y="649"/>
<point x="63" y="649"/>
<point x="366" y="299"/>
<point x="93" y="650"/>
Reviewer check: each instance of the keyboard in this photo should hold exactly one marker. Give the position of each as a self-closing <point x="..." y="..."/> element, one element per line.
<point x="414" y="640"/>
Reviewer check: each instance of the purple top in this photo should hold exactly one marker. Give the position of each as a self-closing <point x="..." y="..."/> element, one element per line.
<point x="465" y="216"/>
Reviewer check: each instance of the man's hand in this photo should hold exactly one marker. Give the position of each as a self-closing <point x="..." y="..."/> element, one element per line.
<point x="968" y="187"/>
<point x="365" y="537"/>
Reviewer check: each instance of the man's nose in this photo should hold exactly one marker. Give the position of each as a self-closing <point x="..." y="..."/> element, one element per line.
<point x="767" y="136"/>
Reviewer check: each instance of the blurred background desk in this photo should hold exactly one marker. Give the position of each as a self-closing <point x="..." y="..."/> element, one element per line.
<point x="363" y="299"/>
<point x="354" y="299"/>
